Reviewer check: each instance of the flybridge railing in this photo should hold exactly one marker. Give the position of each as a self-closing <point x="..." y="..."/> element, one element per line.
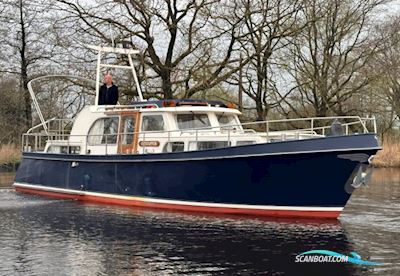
<point x="59" y="136"/>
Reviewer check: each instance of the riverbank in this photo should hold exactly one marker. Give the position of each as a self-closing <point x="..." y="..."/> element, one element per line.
<point x="388" y="157"/>
<point x="10" y="156"/>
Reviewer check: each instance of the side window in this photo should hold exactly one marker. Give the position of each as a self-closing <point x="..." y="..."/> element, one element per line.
<point x="174" y="147"/>
<point x="188" y="121"/>
<point x="226" y="120"/>
<point x="74" y="149"/>
<point x="64" y="149"/>
<point x="152" y="123"/>
<point x="54" y="149"/>
<point x="104" y="131"/>
<point x="242" y="143"/>
<point x="203" y="145"/>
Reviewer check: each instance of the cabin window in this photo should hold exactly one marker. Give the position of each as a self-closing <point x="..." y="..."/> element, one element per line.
<point x="226" y="120"/>
<point x="242" y="143"/>
<point x="74" y="149"/>
<point x="188" y="121"/>
<point x="174" y="147"/>
<point x="152" y="123"/>
<point x="104" y="131"/>
<point x="64" y="149"/>
<point x="203" y="145"/>
<point x="54" y="149"/>
<point x="128" y="129"/>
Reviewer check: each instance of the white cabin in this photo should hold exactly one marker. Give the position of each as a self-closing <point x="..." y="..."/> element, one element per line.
<point x="147" y="128"/>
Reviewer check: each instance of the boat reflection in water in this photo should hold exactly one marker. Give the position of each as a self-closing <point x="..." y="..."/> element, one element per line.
<point x="89" y="239"/>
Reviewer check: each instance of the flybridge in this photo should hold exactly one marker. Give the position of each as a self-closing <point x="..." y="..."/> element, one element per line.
<point x="101" y="51"/>
<point x="166" y="103"/>
<point x="101" y="54"/>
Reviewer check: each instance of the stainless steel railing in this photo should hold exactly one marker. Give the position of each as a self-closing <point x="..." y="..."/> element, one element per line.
<point x="313" y="127"/>
<point x="53" y="125"/>
<point x="268" y="130"/>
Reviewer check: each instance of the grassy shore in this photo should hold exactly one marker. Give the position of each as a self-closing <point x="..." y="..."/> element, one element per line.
<point x="10" y="154"/>
<point x="388" y="157"/>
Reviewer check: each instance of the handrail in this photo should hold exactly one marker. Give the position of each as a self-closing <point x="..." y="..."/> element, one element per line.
<point x="360" y="120"/>
<point x="200" y="134"/>
<point x="133" y="106"/>
<point x="41" y="124"/>
<point x="326" y="127"/>
<point x="315" y="118"/>
<point x="54" y="119"/>
<point x="312" y="119"/>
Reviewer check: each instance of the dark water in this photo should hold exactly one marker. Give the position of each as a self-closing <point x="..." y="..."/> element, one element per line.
<point x="40" y="236"/>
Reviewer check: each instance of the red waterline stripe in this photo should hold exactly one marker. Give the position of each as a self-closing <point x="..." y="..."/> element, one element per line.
<point x="168" y="206"/>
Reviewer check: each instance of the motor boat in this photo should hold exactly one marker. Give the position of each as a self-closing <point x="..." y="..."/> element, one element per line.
<point x="196" y="155"/>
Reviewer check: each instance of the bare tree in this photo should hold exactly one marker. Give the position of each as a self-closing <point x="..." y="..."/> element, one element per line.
<point x="382" y="96"/>
<point x="10" y="110"/>
<point x="328" y="56"/>
<point x="24" y="44"/>
<point x="267" y="25"/>
<point x="387" y="62"/>
<point x="189" y="46"/>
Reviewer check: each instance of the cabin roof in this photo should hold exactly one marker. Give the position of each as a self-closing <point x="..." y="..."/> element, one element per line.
<point x="171" y="106"/>
<point x="184" y="102"/>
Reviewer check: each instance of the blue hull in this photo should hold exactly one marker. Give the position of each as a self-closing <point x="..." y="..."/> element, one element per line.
<point x="305" y="173"/>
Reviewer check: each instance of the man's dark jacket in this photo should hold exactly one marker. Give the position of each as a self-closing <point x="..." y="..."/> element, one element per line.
<point x="108" y="95"/>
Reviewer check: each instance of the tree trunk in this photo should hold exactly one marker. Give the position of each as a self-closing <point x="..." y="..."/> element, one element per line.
<point x="167" y="85"/>
<point x="27" y="101"/>
<point x="24" y="70"/>
<point x="260" y="111"/>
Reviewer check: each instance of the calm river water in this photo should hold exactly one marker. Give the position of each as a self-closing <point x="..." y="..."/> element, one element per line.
<point x="41" y="236"/>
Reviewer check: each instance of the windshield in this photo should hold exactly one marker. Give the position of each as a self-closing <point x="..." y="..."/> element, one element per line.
<point x="227" y="120"/>
<point x="188" y="121"/>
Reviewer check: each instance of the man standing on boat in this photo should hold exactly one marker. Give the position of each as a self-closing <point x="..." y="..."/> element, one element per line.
<point x="108" y="94"/>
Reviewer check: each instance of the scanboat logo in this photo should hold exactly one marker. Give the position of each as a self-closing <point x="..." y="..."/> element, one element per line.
<point x="326" y="256"/>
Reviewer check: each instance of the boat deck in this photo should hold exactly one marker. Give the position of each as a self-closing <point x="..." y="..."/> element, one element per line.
<point x="59" y="133"/>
